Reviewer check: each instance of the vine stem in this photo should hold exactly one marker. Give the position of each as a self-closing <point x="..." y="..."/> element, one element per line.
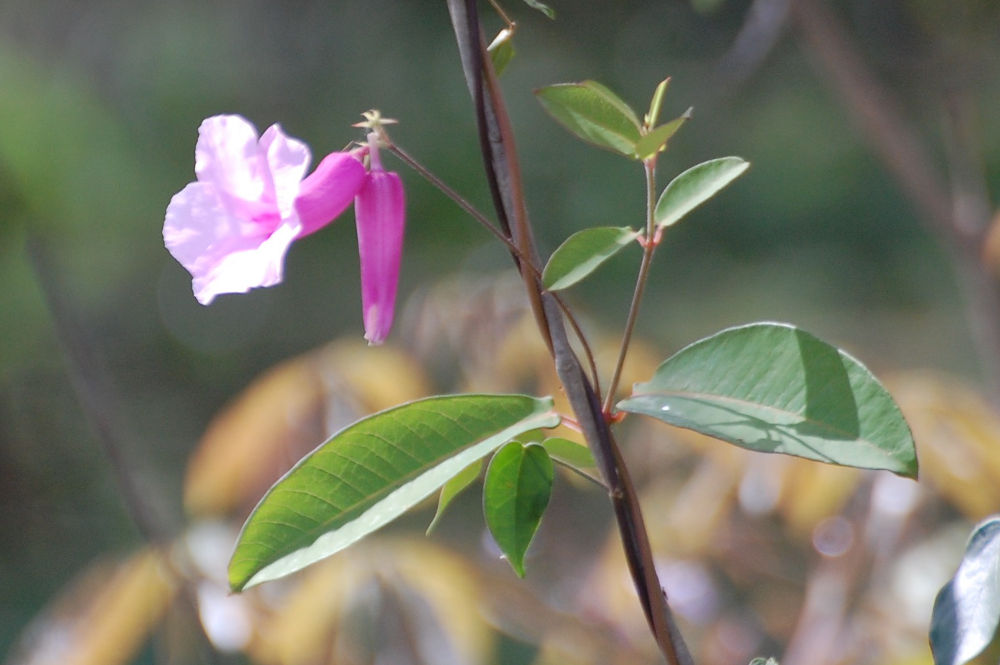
<point x="648" y="249"/>
<point x="504" y="177"/>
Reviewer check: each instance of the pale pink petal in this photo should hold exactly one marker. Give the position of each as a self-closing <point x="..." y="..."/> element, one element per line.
<point x="228" y="156"/>
<point x="287" y="160"/>
<point x="244" y="269"/>
<point x="329" y="190"/>
<point x="224" y="253"/>
<point x="380" y="214"/>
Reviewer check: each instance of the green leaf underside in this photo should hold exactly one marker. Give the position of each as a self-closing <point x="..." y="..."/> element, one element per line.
<point x="545" y="9"/>
<point x="967" y="609"/>
<point x="453" y="488"/>
<point x="582" y="253"/>
<point x="370" y="473"/>
<point x="772" y="387"/>
<point x="501" y="51"/>
<point x="656" y="140"/>
<point x="570" y="452"/>
<point x="593" y="113"/>
<point x="515" y="494"/>
<point x="695" y="186"/>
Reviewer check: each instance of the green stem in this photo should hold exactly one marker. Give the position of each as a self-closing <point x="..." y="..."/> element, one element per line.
<point x="483" y="221"/>
<point x="649" y="247"/>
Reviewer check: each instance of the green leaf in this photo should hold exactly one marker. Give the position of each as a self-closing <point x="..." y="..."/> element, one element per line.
<point x="695" y="186"/>
<point x="515" y="493"/>
<point x="370" y="473"/>
<point x="593" y="113"/>
<point x="653" y="115"/>
<point x="582" y="253"/>
<point x="967" y="609"/>
<point x="656" y="140"/>
<point x="774" y="388"/>
<point x="570" y="452"/>
<point x="545" y="9"/>
<point x="453" y="488"/>
<point x="501" y="50"/>
<point x="762" y="661"/>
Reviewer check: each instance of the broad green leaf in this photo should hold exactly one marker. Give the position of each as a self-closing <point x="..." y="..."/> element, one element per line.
<point x="593" y="113"/>
<point x="515" y="493"/>
<point x="695" y="186"/>
<point x="656" y="140"/>
<point x="453" y="488"/>
<point x="967" y="609"/>
<point x="370" y="473"/>
<point x="570" y="452"/>
<point x="542" y="7"/>
<point x="501" y="50"/>
<point x="582" y="253"/>
<point x="774" y="388"/>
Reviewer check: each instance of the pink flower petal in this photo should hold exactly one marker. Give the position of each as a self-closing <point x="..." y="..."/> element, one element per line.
<point x="223" y="253"/>
<point x="287" y="161"/>
<point x="381" y="218"/>
<point x="329" y="190"/>
<point x="229" y="157"/>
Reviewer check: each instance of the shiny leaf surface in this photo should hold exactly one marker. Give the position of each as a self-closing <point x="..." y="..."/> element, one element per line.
<point x="370" y="473"/>
<point x="775" y="388"/>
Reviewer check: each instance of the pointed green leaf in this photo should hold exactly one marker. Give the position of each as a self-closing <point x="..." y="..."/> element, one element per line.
<point x="966" y="612"/>
<point x="695" y="186"/>
<point x="542" y="7"/>
<point x="501" y="50"/>
<point x="582" y="253"/>
<point x="653" y="115"/>
<point x="453" y="488"/>
<point x="656" y="140"/>
<point x="593" y="113"/>
<point x="515" y="493"/>
<point x="370" y="473"/>
<point x="774" y="388"/>
<point x="570" y="452"/>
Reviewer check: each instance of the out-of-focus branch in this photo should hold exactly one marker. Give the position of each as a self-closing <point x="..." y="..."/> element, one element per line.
<point x="93" y="388"/>
<point x="93" y="391"/>
<point x="957" y="215"/>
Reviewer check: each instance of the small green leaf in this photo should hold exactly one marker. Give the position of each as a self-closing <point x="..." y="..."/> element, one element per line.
<point x="774" y="388"/>
<point x="656" y="140"/>
<point x="695" y="186"/>
<point x="762" y="661"/>
<point x="582" y="253"/>
<point x="570" y="452"/>
<point x="653" y="115"/>
<point x="453" y="488"/>
<point x="515" y="494"/>
<point x="593" y="113"/>
<point x="370" y="473"/>
<point x="542" y="7"/>
<point x="967" y="609"/>
<point x="501" y="50"/>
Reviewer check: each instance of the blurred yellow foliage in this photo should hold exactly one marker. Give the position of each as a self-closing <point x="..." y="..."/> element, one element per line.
<point x="104" y="616"/>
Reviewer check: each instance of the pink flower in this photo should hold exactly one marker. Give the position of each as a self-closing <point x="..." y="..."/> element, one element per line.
<point x="232" y="227"/>
<point x="380" y="214"/>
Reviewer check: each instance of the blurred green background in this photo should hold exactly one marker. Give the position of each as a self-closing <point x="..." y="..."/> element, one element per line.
<point x="99" y="107"/>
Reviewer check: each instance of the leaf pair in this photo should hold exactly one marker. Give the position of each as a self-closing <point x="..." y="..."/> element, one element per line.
<point x="370" y="473"/>
<point x="598" y="116"/>
<point x="583" y="252"/>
